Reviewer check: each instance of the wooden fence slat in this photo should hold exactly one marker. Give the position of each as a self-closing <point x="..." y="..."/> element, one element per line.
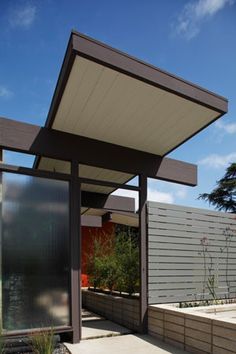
<point x="175" y="253"/>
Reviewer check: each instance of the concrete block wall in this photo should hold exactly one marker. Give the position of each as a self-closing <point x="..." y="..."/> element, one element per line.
<point x="190" y="332"/>
<point x="115" y="308"/>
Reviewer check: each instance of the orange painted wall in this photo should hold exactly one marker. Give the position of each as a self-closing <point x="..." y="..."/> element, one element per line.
<point x="88" y="236"/>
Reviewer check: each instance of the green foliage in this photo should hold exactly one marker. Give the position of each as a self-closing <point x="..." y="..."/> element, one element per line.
<point x="212" y="285"/>
<point x="2" y="345"/>
<point x="97" y="262"/>
<point x="114" y="264"/>
<point x="223" y="197"/>
<point x="43" y="342"/>
<point x="127" y="254"/>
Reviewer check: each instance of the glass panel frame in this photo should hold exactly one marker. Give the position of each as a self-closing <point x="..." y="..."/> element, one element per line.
<point x="44" y="209"/>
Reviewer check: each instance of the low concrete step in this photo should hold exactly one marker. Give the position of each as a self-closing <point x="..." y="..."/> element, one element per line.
<point x="101" y="329"/>
<point x="90" y="316"/>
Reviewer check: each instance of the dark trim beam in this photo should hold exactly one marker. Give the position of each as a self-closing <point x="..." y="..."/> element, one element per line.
<point x="103" y="54"/>
<point x="32" y="139"/>
<point x="33" y="172"/>
<point x="91" y="221"/>
<point x="105" y="201"/>
<point x="63" y="77"/>
<point x="108" y="184"/>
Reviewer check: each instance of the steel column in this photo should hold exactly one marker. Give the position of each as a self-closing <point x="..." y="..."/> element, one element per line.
<point x="143" y="253"/>
<point x="75" y="234"/>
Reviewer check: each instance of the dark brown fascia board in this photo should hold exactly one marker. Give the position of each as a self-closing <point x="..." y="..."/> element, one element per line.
<point x="41" y="141"/>
<point x="109" y="184"/>
<point x="91" y="221"/>
<point x="109" y="202"/>
<point x="108" y="56"/>
<point x="84" y="46"/>
<point x="61" y="81"/>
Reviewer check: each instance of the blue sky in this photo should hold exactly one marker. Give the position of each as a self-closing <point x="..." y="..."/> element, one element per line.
<point x="194" y="39"/>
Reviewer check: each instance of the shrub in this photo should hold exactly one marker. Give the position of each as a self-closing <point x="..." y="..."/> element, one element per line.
<point x="127" y="254"/>
<point x="114" y="264"/>
<point x="97" y="264"/>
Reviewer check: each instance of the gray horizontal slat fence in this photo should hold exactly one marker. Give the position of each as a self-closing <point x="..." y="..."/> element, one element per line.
<point x="187" y="249"/>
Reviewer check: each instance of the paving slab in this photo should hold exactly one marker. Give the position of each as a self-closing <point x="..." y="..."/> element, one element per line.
<point x="102" y="328"/>
<point x="128" y="344"/>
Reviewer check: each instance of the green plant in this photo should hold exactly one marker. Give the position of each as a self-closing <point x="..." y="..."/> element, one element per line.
<point x="212" y="285"/>
<point x="2" y="344"/>
<point x="110" y="271"/>
<point x="127" y="254"/>
<point x="223" y="197"/>
<point x="228" y="234"/>
<point x="114" y="263"/>
<point x="97" y="261"/>
<point x="42" y="341"/>
<point x="211" y="282"/>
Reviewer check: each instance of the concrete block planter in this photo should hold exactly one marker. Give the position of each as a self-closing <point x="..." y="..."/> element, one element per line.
<point x="119" y="309"/>
<point x="196" y="330"/>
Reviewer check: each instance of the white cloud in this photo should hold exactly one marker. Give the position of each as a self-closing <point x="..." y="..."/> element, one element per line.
<point x="181" y="193"/>
<point x="217" y="161"/>
<point x="22" y="16"/>
<point x="227" y="128"/>
<point x="5" y="93"/>
<point x="195" y="13"/>
<point x="162" y="197"/>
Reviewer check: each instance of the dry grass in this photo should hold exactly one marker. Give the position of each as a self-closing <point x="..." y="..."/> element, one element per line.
<point x="2" y="345"/>
<point x="42" y="342"/>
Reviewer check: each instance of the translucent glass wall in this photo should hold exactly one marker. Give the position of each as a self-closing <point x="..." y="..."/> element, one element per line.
<point x="34" y="252"/>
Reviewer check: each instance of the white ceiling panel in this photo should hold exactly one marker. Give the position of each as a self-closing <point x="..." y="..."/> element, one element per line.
<point x="106" y="105"/>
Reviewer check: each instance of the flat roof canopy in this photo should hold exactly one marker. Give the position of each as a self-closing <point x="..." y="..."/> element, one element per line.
<point x="109" y="96"/>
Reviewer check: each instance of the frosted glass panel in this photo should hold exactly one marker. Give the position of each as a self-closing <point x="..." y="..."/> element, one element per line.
<point x="35" y="252"/>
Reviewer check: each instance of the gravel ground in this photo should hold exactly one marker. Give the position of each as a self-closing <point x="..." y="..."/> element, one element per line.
<point x="61" y="349"/>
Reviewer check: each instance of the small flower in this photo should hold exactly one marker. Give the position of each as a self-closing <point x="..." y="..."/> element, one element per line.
<point x="204" y="241"/>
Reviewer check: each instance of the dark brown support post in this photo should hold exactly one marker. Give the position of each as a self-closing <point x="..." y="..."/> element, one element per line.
<point x="75" y="234"/>
<point x="143" y="253"/>
<point x="1" y="201"/>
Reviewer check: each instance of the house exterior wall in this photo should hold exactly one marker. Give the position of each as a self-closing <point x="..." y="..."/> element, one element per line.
<point x="187" y="249"/>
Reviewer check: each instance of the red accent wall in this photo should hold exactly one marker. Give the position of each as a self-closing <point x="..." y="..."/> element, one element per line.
<point x="88" y="235"/>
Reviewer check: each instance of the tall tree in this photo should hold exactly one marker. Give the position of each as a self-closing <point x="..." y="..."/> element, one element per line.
<point x="223" y="197"/>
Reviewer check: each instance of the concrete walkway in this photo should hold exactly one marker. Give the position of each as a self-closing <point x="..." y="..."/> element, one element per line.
<point x="96" y="326"/>
<point x="126" y="344"/>
<point x="102" y="328"/>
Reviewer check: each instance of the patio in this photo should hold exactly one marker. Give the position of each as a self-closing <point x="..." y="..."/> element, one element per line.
<point x="128" y="344"/>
